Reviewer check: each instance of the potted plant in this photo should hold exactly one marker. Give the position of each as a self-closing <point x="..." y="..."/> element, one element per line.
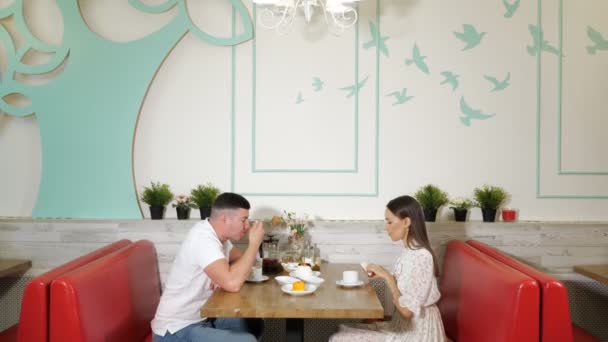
<point x="489" y="198"/>
<point x="157" y="196"/>
<point x="461" y="207"/>
<point x="203" y="197"/>
<point x="431" y="198"/>
<point x="182" y="205"/>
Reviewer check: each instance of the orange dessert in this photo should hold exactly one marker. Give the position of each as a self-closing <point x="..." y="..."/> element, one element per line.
<point x="298" y="286"/>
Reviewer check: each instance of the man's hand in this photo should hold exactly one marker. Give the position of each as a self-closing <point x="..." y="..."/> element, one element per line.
<point x="256" y="234"/>
<point x="214" y="286"/>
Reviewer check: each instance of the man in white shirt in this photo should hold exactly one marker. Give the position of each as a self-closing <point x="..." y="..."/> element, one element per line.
<point x="207" y="261"/>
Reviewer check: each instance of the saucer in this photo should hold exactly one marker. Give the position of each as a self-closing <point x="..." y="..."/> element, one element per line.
<point x="287" y="288"/>
<point x="263" y="279"/>
<point x="314" y="274"/>
<point x="343" y="284"/>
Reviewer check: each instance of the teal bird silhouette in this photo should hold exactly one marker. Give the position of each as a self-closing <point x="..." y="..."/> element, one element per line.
<point x="299" y="99"/>
<point x="354" y="89"/>
<point x="510" y="7"/>
<point x="317" y="84"/>
<point x="400" y="97"/>
<point x="498" y="85"/>
<point x="450" y="78"/>
<point x="377" y="40"/>
<point x="470" y="113"/>
<point x="539" y="42"/>
<point x="418" y="60"/>
<point x="469" y="36"/>
<point x="598" y="39"/>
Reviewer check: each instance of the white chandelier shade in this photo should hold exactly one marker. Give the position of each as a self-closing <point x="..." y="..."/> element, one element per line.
<point x="279" y="14"/>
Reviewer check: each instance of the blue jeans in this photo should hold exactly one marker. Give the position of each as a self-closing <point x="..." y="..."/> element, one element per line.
<point x="220" y="330"/>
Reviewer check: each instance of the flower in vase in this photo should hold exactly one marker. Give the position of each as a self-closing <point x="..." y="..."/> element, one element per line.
<point x="461" y="203"/>
<point x="296" y="225"/>
<point x="183" y="202"/>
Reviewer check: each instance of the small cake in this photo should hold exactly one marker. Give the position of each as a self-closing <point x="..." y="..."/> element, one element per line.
<point x="298" y="286"/>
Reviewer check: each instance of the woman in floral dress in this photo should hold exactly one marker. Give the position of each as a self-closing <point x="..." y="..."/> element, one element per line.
<point x="412" y="283"/>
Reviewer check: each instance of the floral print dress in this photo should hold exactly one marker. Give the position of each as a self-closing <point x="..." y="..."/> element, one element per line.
<point x="417" y="284"/>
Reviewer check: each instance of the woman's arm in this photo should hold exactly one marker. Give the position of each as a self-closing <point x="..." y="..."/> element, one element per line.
<point x="380" y="272"/>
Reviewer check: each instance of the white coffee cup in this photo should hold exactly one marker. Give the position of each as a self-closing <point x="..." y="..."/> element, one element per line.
<point x="304" y="271"/>
<point x="350" y="277"/>
<point x="256" y="272"/>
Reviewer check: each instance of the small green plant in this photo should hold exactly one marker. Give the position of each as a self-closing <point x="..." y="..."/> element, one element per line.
<point x="157" y="195"/>
<point x="431" y="197"/>
<point x="490" y="197"/>
<point x="183" y="202"/>
<point x="461" y="203"/>
<point x="204" y="195"/>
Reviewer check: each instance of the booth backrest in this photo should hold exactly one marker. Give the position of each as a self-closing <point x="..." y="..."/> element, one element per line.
<point x="34" y="318"/>
<point x="111" y="299"/>
<point x="555" y="323"/>
<point x="484" y="300"/>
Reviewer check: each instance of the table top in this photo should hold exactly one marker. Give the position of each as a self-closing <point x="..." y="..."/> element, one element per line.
<point x="597" y="272"/>
<point x="266" y="300"/>
<point x="9" y="267"/>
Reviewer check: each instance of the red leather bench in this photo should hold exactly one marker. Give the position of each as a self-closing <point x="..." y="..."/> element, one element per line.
<point x="111" y="299"/>
<point x="555" y="323"/>
<point x="33" y="323"/>
<point x="484" y="300"/>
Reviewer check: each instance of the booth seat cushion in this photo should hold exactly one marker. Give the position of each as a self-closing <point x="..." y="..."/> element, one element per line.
<point x="9" y="335"/>
<point x="555" y="323"/>
<point x="111" y="299"/>
<point x="580" y="335"/>
<point x="34" y="317"/>
<point x="484" y="300"/>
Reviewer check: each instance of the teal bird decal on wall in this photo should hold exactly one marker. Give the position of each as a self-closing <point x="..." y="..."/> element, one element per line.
<point x="317" y="84"/>
<point x="450" y="78"/>
<point x="377" y="39"/>
<point x="400" y="97"/>
<point x="299" y="99"/>
<point x="470" y="36"/>
<point x="510" y="7"/>
<point x="471" y="114"/>
<point x="354" y="89"/>
<point x="498" y="85"/>
<point x="539" y="42"/>
<point x="598" y="39"/>
<point x="418" y="60"/>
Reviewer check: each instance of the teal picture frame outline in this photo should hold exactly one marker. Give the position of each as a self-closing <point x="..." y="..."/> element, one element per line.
<point x="373" y="193"/>
<point x="254" y="168"/>
<point x="560" y="169"/>
<point x="539" y="193"/>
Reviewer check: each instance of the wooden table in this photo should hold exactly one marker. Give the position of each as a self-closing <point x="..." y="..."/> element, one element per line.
<point x="597" y="272"/>
<point x="10" y="267"/>
<point x="266" y="300"/>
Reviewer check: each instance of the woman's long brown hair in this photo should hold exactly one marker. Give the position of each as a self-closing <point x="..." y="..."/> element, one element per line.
<point x="407" y="206"/>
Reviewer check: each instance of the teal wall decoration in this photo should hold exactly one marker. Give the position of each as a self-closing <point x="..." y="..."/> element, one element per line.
<point x="418" y="60"/>
<point x="498" y="85"/>
<point x="510" y="8"/>
<point x="317" y="84"/>
<point x="87" y="115"/>
<point x="299" y="99"/>
<point x="471" y="114"/>
<point x="378" y="40"/>
<point x="400" y="96"/>
<point x="470" y="36"/>
<point x="450" y="78"/>
<point x="355" y="88"/>
<point x="539" y="42"/>
<point x="600" y="44"/>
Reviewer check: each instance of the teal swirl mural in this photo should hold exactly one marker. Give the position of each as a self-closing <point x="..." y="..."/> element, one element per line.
<point x="87" y="115"/>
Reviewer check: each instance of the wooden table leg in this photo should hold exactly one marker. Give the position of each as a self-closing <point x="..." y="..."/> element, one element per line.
<point x="295" y="329"/>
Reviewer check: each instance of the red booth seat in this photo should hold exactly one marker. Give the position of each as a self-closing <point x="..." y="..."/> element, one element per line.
<point x="111" y="299"/>
<point x="34" y="318"/>
<point x="555" y="323"/>
<point x="484" y="300"/>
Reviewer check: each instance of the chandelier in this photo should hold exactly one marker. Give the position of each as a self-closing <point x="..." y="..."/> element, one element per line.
<point x="279" y="14"/>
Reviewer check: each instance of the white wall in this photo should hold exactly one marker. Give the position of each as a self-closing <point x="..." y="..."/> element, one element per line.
<point x="184" y="130"/>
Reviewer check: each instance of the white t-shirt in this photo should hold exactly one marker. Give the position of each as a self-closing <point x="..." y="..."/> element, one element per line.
<point x="188" y="286"/>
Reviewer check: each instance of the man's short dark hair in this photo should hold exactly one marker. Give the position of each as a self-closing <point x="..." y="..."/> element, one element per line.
<point x="230" y="200"/>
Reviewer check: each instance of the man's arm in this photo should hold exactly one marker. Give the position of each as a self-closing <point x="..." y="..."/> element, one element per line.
<point x="235" y="254"/>
<point x="231" y="277"/>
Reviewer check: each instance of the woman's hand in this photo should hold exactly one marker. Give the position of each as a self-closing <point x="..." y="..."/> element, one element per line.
<point x="377" y="271"/>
